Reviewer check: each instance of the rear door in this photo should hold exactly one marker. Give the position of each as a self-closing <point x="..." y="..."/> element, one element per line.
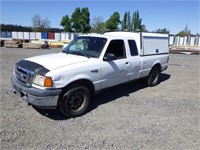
<point x="134" y="60"/>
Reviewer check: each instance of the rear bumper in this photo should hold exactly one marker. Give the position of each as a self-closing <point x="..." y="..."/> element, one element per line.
<point x="40" y="98"/>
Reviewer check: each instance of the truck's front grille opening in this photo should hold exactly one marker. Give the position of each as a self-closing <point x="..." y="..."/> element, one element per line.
<point x="24" y="76"/>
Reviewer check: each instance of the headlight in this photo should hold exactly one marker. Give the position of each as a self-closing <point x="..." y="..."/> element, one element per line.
<point x="43" y="81"/>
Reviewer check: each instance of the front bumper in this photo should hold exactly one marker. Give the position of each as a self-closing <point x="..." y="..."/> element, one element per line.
<point x="40" y="98"/>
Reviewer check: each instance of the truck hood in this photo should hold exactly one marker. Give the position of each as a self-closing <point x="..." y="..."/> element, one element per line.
<point x="57" y="60"/>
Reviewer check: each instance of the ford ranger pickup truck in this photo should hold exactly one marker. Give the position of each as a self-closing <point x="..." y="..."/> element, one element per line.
<point x="68" y="80"/>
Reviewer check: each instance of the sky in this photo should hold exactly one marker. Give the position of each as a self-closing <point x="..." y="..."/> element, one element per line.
<point x="171" y="14"/>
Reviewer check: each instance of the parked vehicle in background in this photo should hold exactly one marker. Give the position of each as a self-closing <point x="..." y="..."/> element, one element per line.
<point x="90" y="63"/>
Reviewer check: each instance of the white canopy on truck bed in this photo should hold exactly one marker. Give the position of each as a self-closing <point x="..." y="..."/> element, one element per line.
<point x="147" y="43"/>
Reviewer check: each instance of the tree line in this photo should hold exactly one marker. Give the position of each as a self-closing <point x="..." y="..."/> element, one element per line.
<point x="19" y="28"/>
<point x="80" y="22"/>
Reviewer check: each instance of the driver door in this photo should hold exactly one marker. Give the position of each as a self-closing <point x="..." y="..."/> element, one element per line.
<point x="115" y="71"/>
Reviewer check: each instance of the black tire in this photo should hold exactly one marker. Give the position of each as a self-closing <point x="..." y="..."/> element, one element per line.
<point x="74" y="101"/>
<point x="153" y="77"/>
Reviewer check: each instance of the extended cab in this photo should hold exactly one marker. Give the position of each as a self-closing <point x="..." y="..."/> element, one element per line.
<point x="90" y="63"/>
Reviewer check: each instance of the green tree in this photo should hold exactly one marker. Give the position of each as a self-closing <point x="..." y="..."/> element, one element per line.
<point x="76" y="20"/>
<point x="79" y="22"/>
<point x="133" y="23"/>
<point x="113" y="22"/>
<point x="164" y="30"/>
<point x="143" y="28"/>
<point x="137" y="21"/>
<point x="184" y="32"/>
<point x="66" y="23"/>
<point x="40" y="24"/>
<point x="85" y="17"/>
<point x="124" y="21"/>
<point x="129" y="23"/>
<point x="98" y="25"/>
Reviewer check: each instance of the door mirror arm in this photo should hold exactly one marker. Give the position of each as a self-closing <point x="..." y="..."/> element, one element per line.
<point x="109" y="57"/>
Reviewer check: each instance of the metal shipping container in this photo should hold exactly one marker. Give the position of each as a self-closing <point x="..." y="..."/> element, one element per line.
<point x="196" y="40"/>
<point x="44" y="35"/>
<point x="72" y="36"/>
<point x="50" y="35"/>
<point x="176" y="40"/>
<point x="185" y="40"/>
<point x="26" y="35"/>
<point x="67" y="36"/>
<point x="57" y="36"/>
<point x="63" y="36"/>
<point x="20" y="35"/>
<point x="8" y="34"/>
<point x="171" y="40"/>
<point x="192" y="40"/>
<point x="38" y="35"/>
<point x="3" y="35"/>
<point x="32" y="35"/>
<point x="14" y="35"/>
<point x="181" y="41"/>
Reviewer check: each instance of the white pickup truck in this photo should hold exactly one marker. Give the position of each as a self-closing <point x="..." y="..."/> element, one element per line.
<point x="67" y="80"/>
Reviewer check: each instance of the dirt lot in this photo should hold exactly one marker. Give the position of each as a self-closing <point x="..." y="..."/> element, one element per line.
<point x="129" y="116"/>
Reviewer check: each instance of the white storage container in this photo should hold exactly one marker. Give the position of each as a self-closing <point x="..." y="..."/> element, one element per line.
<point x="72" y="36"/>
<point x="32" y="35"/>
<point x="181" y="39"/>
<point x="67" y="36"/>
<point x="147" y="43"/>
<point x="185" y="40"/>
<point x="63" y="36"/>
<point x="57" y="36"/>
<point x="20" y="35"/>
<point x="14" y="35"/>
<point x="38" y="35"/>
<point x="26" y="35"/>
<point x="192" y="40"/>
<point x="171" y="40"/>
<point x="177" y="40"/>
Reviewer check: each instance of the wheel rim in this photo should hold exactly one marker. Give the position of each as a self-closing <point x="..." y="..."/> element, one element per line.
<point x="77" y="101"/>
<point x="154" y="77"/>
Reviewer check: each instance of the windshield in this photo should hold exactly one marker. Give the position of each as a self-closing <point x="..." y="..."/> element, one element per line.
<point x="86" y="46"/>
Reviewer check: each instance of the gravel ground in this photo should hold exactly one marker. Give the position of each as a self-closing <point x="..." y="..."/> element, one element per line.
<point x="131" y="116"/>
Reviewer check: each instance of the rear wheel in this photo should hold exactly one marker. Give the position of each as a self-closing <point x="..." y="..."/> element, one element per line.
<point x="74" y="101"/>
<point x="153" y="77"/>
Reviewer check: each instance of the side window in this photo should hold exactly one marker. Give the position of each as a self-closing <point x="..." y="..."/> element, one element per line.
<point x="117" y="47"/>
<point x="133" y="47"/>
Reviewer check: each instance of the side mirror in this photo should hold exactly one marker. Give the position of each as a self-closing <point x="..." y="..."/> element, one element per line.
<point x="109" y="57"/>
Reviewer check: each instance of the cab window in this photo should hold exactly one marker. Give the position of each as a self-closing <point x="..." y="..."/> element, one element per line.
<point x="117" y="48"/>
<point x="133" y="47"/>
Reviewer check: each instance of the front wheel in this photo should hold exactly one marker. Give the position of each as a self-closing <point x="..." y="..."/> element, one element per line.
<point x="74" y="101"/>
<point x="153" y="77"/>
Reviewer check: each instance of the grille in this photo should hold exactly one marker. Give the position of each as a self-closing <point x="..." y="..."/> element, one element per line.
<point x="24" y="76"/>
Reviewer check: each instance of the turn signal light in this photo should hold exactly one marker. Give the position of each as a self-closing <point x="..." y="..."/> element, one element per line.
<point x="48" y="82"/>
